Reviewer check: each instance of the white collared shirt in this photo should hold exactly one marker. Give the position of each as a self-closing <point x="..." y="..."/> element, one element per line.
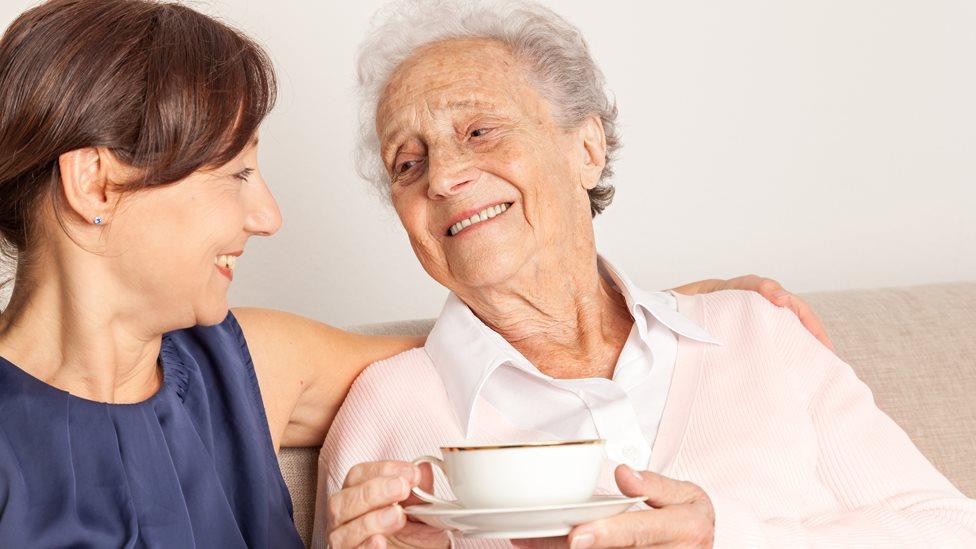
<point x="474" y="361"/>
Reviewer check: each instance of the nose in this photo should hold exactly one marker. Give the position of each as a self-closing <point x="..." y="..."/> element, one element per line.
<point x="263" y="217"/>
<point x="449" y="173"/>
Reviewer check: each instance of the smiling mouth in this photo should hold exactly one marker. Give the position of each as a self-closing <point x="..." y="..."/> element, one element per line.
<point x="484" y="215"/>
<point x="226" y="263"/>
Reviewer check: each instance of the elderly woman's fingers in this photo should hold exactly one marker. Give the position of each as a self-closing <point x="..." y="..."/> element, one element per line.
<point x="657" y="490"/>
<point x="362" y="472"/>
<point x="376" y="541"/>
<point x="559" y="542"/>
<point x="657" y="527"/>
<point x="424" y="478"/>
<point x="682" y="514"/>
<point x="367" y="505"/>
<point x="352" y="502"/>
<point x="357" y="532"/>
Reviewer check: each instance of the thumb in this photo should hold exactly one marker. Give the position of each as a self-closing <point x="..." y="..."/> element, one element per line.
<point x="657" y="490"/>
<point x="425" y="482"/>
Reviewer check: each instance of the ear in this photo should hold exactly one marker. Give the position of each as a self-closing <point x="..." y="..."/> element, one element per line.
<point x="593" y="143"/>
<point x="85" y="182"/>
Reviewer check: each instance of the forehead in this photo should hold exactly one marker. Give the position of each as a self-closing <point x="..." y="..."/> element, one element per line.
<point x="459" y="74"/>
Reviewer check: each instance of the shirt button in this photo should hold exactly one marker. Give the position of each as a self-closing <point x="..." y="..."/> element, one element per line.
<point x="630" y="454"/>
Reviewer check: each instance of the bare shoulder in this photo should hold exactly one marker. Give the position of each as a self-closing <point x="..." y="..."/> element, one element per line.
<point x="269" y="323"/>
<point x="283" y="342"/>
<point x="305" y="368"/>
<point x="286" y="337"/>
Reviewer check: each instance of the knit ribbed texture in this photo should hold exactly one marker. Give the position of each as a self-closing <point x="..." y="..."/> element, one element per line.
<point x="779" y="432"/>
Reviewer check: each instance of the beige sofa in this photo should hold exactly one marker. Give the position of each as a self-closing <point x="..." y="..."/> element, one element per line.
<point x="915" y="347"/>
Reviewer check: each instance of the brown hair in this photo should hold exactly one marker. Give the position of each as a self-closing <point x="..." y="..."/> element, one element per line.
<point x="167" y="89"/>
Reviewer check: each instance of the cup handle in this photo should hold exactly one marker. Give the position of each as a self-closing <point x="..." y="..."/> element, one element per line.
<point x="423" y="494"/>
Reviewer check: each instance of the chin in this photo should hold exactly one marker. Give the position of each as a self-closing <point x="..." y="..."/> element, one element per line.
<point x="492" y="269"/>
<point x="212" y="313"/>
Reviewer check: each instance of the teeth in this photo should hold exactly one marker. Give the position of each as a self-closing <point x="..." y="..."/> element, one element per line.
<point x="483" y="215"/>
<point x="226" y="261"/>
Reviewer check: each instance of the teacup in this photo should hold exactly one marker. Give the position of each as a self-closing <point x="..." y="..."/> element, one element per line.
<point x="518" y="475"/>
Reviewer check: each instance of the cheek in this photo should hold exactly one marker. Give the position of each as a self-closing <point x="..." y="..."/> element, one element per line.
<point x="531" y="158"/>
<point x="413" y="215"/>
<point x="539" y="178"/>
<point x="420" y="233"/>
<point x="156" y="267"/>
<point x="178" y="240"/>
<point x="150" y="231"/>
<point x="411" y="208"/>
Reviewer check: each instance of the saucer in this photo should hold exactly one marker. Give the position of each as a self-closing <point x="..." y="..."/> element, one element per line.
<point x="519" y="522"/>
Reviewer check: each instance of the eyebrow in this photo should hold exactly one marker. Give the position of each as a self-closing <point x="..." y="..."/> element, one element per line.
<point x="459" y="105"/>
<point x="469" y="104"/>
<point x="391" y="145"/>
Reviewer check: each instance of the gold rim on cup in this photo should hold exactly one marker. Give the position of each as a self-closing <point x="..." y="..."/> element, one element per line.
<point x="522" y="445"/>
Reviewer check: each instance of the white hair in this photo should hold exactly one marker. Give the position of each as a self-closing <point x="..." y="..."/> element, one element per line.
<point x="553" y="50"/>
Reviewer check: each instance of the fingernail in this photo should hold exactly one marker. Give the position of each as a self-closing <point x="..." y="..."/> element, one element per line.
<point x="633" y="473"/>
<point x="582" y="541"/>
<point x="411" y="473"/>
<point x="394" y="487"/>
<point x="780" y="294"/>
<point x="390" y="516"/>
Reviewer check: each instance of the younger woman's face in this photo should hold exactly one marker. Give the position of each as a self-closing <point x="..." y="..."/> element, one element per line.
<point x="173" y="249"/>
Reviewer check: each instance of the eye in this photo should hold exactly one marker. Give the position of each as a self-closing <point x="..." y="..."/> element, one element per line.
<point x="404" y="167"/>
<point x="244" y="174"/>
<point x="480" y="132"/>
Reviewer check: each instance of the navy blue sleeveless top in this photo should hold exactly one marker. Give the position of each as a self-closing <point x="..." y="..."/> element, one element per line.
<point x="191" y="467"/>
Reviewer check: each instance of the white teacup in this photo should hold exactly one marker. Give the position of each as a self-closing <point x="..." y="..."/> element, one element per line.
<point x="518" y="475"/>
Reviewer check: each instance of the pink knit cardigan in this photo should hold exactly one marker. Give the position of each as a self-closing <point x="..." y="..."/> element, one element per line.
<point x="780" y="433"/>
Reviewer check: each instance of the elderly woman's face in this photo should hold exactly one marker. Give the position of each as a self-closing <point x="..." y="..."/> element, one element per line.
<point x="483" y="178"/>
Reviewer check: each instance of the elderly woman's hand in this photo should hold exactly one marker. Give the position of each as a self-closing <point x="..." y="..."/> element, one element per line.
<point x="771" y="290"/>
<point x="682" y="516"/>
<point x="367" y="512"/>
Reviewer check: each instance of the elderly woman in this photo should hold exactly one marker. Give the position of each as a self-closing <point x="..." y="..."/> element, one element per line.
<point x="496" y="137"/>
<point x="135" y="410"/>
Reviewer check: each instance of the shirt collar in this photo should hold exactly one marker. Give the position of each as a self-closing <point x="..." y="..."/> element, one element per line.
<point x="654" y="306"/>
<point x="465" y="351"/>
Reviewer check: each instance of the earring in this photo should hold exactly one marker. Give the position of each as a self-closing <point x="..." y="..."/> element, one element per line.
<point x="98" y="220"/>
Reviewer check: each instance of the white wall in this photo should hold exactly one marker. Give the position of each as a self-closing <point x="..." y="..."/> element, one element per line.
<point x="830" y="144"/>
